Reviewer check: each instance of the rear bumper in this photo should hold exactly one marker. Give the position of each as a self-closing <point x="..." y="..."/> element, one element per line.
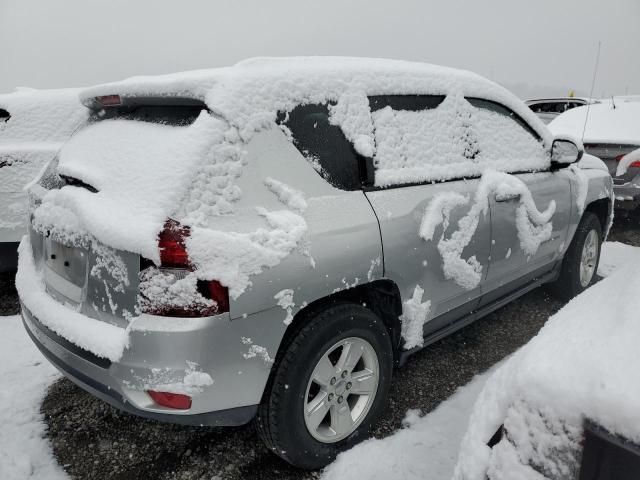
<point x="115" y="383"/>
<point x="627" y="196"/>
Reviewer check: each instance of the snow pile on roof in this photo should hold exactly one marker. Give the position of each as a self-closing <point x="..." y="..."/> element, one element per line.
<point x="24" y="452"/>
<point x="582" y="365"/>
<point x="250" y="93"/>
<point x="41" y="115"/>
<point x="605" y="124"/>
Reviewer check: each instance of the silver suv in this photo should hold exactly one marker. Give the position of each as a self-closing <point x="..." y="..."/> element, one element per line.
<point x="268" y="241"/>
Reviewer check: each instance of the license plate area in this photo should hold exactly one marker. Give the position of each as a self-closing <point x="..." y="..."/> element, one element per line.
<point x="65" y="271"/>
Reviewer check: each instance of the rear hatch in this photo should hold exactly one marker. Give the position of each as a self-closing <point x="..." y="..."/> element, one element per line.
<point x="78" y="269"/>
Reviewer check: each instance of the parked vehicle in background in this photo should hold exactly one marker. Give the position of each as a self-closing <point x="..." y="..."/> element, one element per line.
<point x="33" y="126"/>
<point x="548" y="109"/>
<point x="266" y="241"/>
<point x="565" y="406"/>
<point x="612" y="131"/>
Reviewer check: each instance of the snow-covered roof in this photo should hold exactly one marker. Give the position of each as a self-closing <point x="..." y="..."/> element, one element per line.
<point x="41" y="115"/>
<point x="605" y="124"/>
<point x="252" y="91"/>
<point x="582" y="365"/>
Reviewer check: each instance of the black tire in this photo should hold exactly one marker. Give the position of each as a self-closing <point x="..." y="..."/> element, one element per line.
<point x="280" y="420"/>
<point x="568" y="284"/>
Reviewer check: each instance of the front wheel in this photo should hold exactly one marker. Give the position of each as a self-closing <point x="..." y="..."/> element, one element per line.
<point x="580" y="263"/>
<point x="329" y="387"/>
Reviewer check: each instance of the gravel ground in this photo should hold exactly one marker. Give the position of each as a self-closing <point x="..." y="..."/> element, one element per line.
<point x="92" y="440"/>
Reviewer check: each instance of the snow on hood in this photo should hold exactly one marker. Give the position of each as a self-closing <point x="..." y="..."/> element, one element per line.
<point x="582" y="364"/>
<point x="605" y="123"/>
<point x="41" y="115"/>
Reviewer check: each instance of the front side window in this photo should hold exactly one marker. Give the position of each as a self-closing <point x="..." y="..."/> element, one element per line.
<point x="422" y="138"/>
<point x="324" y="145"/>
<point x="506" y="142"/>
<point x="426" y="138"/>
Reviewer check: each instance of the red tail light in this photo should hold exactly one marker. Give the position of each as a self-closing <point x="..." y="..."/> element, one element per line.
<point x="171" y="400"/>
<point x="174" y="259"/>
<point x="109" y="100"/>
<point x="173" y="252"/>
<point x="634" y="164"/>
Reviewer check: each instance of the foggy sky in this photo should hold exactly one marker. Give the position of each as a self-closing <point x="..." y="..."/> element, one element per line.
<point x="534" y="47"/>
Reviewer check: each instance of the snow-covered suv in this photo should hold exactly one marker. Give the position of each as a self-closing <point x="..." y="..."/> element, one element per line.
<point x="267" y="240"/>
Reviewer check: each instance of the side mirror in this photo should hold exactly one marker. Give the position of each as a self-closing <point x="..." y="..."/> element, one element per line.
<point x="565" y="151"/>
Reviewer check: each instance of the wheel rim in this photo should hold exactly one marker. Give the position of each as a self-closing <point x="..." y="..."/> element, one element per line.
<point x="341" y="390"/>
<point x="589" y="258"/>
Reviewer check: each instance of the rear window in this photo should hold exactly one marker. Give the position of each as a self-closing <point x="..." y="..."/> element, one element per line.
<point x="169" y="111"/>
<point x="323" y="144"/>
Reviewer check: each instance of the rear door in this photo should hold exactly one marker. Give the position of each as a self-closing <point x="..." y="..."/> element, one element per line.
<point x="438" y="264"/>
<point x="527" y="239"/>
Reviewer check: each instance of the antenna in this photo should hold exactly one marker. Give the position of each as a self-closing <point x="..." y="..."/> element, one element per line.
<point x="593" y="84"/>
<point x="613" y="102"/>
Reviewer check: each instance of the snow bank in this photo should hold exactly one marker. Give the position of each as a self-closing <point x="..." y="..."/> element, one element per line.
<point x="605" y="123"/>
<point x="24" y="452"/>
<point x="582" y="364"/>
<point x="615" y="255"/>
<point x="100" y="338"/>
<point x="427" y="446"/>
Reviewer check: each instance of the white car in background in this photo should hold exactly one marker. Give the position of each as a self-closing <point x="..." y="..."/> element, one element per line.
<point x="547" y="109"/>
<point x="33" y="126"/>
<point x="565" y="406"/>
<point x="612" y="132"/>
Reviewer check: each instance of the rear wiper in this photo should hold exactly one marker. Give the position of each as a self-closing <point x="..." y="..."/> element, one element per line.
<point x="75" y="182"/>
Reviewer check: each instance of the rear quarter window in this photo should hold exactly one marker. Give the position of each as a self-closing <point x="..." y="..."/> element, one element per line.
<point x="324" y="145"/>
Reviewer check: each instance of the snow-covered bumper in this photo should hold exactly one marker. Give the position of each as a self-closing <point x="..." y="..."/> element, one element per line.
<point x="124" y="384"/>
<point x="212" y="359"/>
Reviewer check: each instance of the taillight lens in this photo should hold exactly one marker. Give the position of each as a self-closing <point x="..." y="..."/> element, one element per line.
<point x="173" y="252"/>
<point x="171" y="400"/>
<point x="109" y="100"/>
<point x="634" y="164"/>
<point x="174" y="262"/>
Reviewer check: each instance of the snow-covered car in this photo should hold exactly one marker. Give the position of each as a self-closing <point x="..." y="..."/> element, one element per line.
<point x="33" y="126"/>
<point x="267" y="240"/>
<point x="565" y="406"/>
<point x="612" y="131"/>
<point x="548" y="109"/>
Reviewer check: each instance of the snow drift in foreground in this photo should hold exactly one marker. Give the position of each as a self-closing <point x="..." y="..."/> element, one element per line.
<point x="582" y="364"/>
<point x="24" y="452"/>
<point x="427" y="446"/>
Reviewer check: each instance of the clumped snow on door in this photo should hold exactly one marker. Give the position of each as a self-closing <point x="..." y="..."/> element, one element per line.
<point x="533" y="226"/>
<point x="285" y="301"/>
<point x="414" y="315"/>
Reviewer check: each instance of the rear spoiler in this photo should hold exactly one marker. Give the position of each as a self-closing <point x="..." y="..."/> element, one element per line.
<point x="115" y="100"/>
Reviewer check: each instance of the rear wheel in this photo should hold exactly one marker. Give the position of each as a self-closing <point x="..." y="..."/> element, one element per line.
<point x="580" y="263"/>
<point x="329" y="387"/>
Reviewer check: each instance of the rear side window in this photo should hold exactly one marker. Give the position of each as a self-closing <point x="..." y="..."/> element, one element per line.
<point x="323" y="144"/>
<point x="4" y="115"/>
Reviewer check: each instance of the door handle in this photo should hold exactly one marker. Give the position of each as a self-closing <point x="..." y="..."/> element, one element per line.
<point x="507" y="197"/>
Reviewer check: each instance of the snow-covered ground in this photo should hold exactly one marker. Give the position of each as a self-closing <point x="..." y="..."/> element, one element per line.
<point x="426" y="445"/>
<point x="25" y="375"/>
